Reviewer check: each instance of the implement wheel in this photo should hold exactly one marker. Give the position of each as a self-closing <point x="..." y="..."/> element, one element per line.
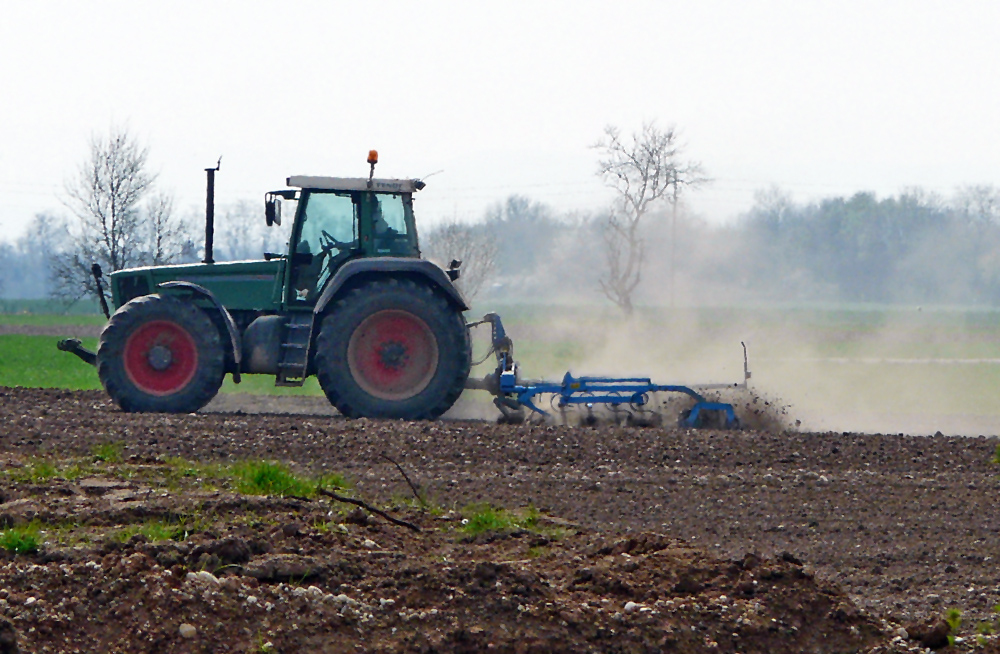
<point x="160" y="354"/>
<point x="393" y="349"/>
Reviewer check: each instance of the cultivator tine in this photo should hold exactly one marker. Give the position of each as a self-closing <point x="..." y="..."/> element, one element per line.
<point x="508" y="414"/>
<point x="641" y="416"/>
<point x="539" y="419"/>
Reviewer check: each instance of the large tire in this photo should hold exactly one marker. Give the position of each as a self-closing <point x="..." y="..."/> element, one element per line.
<point x="393" y="349"/>
<point x="160" y="354"/>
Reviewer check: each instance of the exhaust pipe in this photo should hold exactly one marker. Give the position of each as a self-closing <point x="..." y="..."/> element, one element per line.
<point x="210" y="211"/>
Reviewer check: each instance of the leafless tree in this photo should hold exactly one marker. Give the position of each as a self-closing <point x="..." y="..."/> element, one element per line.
<point x="643" y="171"/>
<point x="166" y="236"/>
<point x="979" y="204"/>
<point x="111" y="227"/>
<point x="470" y="244"/>
<point x="242" y="233"/>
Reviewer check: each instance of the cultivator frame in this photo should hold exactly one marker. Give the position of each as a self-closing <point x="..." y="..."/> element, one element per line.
<point x="628" y="398"/>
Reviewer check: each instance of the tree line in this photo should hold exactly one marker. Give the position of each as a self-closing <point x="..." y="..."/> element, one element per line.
<point x="914" y="247"/>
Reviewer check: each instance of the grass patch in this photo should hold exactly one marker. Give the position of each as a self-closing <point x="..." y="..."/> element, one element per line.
<point x="272" y="478"/>
<point x="21" y="540"/>
<point x="67" y="534"/>
<point x="329" y="526"/>
<point x="108" y="452"/>
<point x="161" y="530"/>
<point x="954" y="619"/>
<point x="74" y="472"/>
<point x="189" y="469"/>
<point x="38" y="470"/>
<point x="34" y="471"/>
<point x="252" y="477"/>
<point x="484" y="518"/>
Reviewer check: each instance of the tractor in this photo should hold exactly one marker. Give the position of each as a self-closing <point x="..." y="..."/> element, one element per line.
<point x="351" y="302"/>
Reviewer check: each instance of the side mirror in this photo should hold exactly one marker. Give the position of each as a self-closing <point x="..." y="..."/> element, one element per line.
<point x="272" y="211"/>
<point x="453" y="270"/>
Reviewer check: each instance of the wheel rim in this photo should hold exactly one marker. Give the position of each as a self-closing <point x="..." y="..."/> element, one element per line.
<point x="392" y="355"/>
<point x="160" y="357"/>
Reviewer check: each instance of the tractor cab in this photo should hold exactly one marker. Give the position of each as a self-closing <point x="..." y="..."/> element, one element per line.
<point x="341" y="219"/>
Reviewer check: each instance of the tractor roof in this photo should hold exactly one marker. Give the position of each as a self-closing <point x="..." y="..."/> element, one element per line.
<point x="355" y="184"/>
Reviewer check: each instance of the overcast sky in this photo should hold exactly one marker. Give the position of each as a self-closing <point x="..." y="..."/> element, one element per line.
<point x="820" y="98"/>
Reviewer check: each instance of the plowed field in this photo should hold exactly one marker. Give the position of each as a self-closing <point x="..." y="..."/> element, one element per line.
<point x="639" y="540"/>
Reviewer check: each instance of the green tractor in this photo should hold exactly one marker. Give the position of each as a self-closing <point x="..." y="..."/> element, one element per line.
<point x="351" y="302"/>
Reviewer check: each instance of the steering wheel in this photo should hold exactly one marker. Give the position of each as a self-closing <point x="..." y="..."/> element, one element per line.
<point x="328" y="242"/>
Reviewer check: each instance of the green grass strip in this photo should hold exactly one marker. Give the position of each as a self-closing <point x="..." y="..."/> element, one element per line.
<point x="34" y="362"/>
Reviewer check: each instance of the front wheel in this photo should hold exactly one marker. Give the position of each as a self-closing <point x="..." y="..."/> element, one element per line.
<point x="160" y="354"/>
<point x="393" y="349"/>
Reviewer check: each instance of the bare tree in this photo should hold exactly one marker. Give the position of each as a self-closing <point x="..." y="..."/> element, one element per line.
<point x="242" y="233"/>
<point x="470" y="244"/>
<point x="642" y="172"/>
<point x="111" y="227"/>
<point x="166" y="236"/>
<point x="979" y="204"/>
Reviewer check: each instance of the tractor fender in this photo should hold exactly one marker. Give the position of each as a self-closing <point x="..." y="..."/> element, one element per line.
<point x="388" y="267"/>
<point x="234" y="334"/>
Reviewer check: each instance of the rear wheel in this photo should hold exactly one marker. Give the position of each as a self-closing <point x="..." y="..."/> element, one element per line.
<point x="393" y="349"/>
<point x="160" y="354"/>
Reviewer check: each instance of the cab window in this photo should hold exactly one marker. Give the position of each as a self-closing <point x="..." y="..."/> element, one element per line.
<point x="336" y="215"/>
<point x="390" y="226"/>
<point x="328" y="236"/>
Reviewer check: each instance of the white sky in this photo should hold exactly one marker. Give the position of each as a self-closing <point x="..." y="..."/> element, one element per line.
<point x="820" y="98"/>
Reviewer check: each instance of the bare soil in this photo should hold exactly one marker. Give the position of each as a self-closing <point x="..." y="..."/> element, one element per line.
<point x="647" y="540"/>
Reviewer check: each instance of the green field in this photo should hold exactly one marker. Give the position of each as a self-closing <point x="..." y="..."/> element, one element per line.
<point x="888" y="369"/>
<point x="34" y="361"/>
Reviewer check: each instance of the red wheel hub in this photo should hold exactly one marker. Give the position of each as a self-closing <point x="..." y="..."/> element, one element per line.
<point x="392" y="355"/>
<point x="160" y="357"/>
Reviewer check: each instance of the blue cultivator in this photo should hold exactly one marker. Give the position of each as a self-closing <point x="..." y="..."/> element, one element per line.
<point x="627" y="398"/>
